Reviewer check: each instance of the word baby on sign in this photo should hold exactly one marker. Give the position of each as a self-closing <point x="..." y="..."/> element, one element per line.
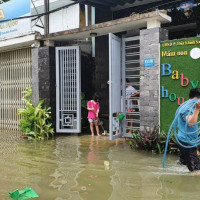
<point x="179" y="72"/>
<point x="175" y="75"/>
<point x="178" y="58"/>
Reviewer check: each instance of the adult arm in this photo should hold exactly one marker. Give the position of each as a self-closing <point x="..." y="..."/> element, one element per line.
<point x="194" y="117"/>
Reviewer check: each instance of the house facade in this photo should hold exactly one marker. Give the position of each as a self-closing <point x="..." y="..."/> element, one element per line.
<point x="93" y="46"/>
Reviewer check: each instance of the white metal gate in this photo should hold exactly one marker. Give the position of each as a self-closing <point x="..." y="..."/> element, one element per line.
<point x="15" y="76"/>
<point x="131" y="77"/>
<point x="124" y="73"/>
<point x="68" y="90"/>
<point x="114" y="86"/>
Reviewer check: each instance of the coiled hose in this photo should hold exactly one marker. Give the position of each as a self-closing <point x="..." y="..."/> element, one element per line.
<point x="188" y="105"/>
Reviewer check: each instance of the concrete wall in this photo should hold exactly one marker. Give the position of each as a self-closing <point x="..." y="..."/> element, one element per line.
<point x="44" y="75"/>
<point x="65" y="19"/>
<point x="150" y="76"/>
<point x="101" y="75"/>
<point x="43" y="78"/>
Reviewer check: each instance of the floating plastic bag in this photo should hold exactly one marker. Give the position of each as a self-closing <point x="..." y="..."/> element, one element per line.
<point x="27" y="193"/>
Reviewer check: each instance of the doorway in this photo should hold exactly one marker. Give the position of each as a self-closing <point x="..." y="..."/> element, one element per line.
<point x="124" y="85"/>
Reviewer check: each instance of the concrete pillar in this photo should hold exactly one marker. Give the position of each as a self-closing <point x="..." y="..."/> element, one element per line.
<point x="44" y="77"/>
<point x="150" y="76"/>
<point x="35" y="76"/>
<point x="153" y="24"/>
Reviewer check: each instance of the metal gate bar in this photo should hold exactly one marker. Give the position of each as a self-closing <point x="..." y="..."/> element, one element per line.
<point x="131" y="71"/>
<point x="15" y="76"/>
<point x="68" y="107"/>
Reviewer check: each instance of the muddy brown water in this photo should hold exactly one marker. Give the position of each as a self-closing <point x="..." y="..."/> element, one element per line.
<point x="72" y="167"/>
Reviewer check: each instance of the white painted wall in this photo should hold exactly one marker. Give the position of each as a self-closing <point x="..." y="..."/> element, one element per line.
<point x="65" y="19"/>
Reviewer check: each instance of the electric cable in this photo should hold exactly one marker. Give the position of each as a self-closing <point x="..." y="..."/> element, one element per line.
<point x="44" y="13"/>
<point x="37" y="13"/>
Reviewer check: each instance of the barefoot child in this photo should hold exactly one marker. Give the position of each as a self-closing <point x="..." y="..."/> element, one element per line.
<point x="93" y="107"/>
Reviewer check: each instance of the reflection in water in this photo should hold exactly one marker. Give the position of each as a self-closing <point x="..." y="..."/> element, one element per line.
<point x="94" y="181"/>
<point x="72" y="167"/>
<point x="93" y="155"/>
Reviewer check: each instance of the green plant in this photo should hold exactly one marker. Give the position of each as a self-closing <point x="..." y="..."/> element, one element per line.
<point x="83" y="101"/>
<point x="151" y="139"/>
<point x="35" y="121"/>
<point x="83" y="110"/>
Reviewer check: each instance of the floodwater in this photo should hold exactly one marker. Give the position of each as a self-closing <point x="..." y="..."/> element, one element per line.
<point x="72" y="167"/>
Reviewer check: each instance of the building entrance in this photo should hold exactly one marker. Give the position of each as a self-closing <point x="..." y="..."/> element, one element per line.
<point x="124" y="85"/>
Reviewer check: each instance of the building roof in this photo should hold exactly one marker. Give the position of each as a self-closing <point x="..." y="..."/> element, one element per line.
<point x="114" y="26"/>
<point x="115" y="3"/>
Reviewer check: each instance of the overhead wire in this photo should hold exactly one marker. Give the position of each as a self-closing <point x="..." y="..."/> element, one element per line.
<point x="37" y="18"/>
<point x="44" y="13"/>
<point x="68" y="5"/>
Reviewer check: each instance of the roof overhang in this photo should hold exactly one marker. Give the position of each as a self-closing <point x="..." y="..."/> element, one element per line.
<point x="20" y="41"/>
<point x="116" y="4"/>
<point x="114" y="26"/>
<point x="133" y="4"/>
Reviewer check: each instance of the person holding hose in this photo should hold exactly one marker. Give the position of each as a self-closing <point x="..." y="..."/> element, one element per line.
<point x="188" y="133"/>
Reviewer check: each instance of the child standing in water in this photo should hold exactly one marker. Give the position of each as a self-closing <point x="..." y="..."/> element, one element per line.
<point x="93" y="107"/>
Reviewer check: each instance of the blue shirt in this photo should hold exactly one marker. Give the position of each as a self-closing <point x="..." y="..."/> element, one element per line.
<point x="184" y="131"/>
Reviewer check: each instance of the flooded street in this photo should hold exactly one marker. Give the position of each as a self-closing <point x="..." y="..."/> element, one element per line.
<point x="72" y="167"/>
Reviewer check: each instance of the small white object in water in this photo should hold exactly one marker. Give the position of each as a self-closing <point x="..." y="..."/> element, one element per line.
<point x="106" y="163"/>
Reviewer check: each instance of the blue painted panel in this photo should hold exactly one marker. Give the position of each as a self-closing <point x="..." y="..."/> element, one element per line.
<point x="15" y="8"/>
<point x="149" y="62"/>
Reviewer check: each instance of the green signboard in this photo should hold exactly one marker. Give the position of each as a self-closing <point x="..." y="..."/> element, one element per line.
<point x="179" y="71"/>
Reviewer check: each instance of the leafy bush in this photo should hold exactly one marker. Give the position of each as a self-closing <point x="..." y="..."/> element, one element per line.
<point x="83" y="101"/>
<point x="35" y="122"/>
<point x="84" y="110"/>
<point x="153" y="140"/>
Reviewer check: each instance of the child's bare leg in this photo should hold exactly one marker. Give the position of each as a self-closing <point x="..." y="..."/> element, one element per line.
<point x="127" y="123"/>
<point x="92" y="128"/>
<point x="117" y="131"/>
<point x="97" y="128"/>
<point x="131" y="123"/>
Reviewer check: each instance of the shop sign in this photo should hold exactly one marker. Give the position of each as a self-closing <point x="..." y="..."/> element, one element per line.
<point x="9" y="26"/>
<point x="179" y="73"/>
<point x="186" y="5"/>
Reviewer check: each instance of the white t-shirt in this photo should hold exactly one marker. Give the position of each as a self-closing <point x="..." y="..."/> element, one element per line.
<point x="130" y="90"/>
